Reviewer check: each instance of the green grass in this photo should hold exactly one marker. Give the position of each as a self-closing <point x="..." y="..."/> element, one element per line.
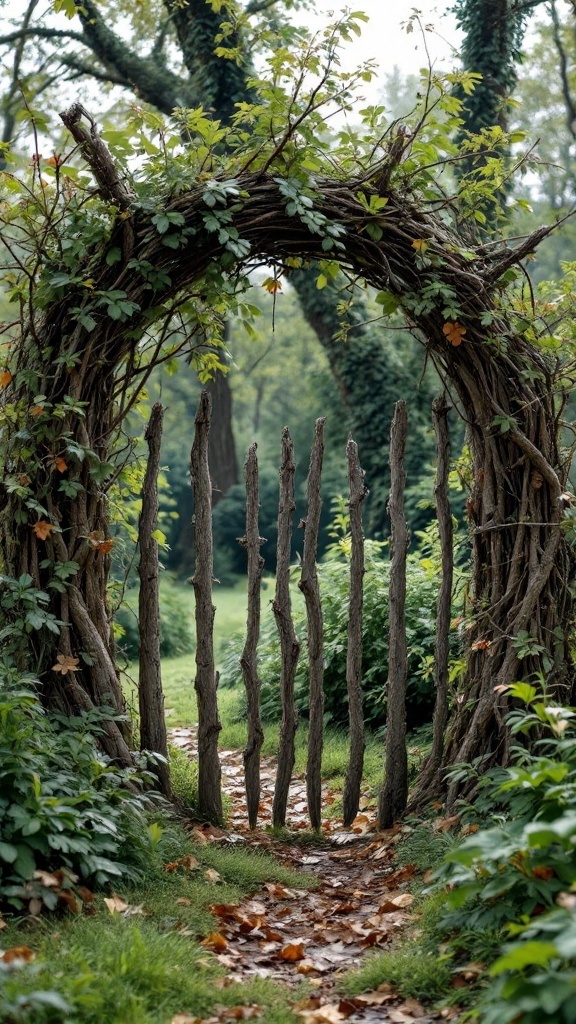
<point x="148" y="966"/>
<point x="413" y="971"/>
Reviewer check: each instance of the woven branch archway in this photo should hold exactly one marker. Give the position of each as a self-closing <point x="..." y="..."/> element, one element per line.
<point x="521" y="559"/>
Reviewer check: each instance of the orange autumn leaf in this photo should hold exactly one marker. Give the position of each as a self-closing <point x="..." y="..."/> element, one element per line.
<point x="55" y="161"/>
<point x="454" y="332"/>
<point x="36" y="410"/>
<point x="543" y="872"/>
<point x="60" y="464"/>
<point x="480" y="645"/>
<point x="100" y="544"/>
<point x="5" y="378"/>
<point x="65" y="663"/>
<point x="292" y="952"/>
<point x="42" y="529"/>
<point x="23" y="953"/>
<point x="215" y="941"/>
<point x="105" y="547"/>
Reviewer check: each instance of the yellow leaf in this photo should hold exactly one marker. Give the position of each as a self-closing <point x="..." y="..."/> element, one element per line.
<point x="420" y="244"/>
<point x="272" y="285"/>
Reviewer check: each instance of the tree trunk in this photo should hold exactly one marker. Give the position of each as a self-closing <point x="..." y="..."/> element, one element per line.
<point x="315" y="633"/>
<point x="394" y="794"/>
<point x="252" y="541"/>
<point x="289" y="644"/>
<point x="353" y="782"/>
<point x="150" y="696"/>
<point x="206" y="684"/>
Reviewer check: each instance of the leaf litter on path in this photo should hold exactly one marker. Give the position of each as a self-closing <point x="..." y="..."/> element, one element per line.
<point x="289" y="935"/>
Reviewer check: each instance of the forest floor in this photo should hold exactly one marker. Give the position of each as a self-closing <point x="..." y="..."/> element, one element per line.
<point x="360" y="905"/>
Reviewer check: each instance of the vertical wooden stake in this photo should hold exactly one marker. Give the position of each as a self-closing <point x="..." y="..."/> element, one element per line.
<point x="289" y="645"/>
<point x="311" y="590"/>
<point x="252" y="541"/>
<point x="358" y="492"/>
<point x="206" y="684"/>
<point x="394" y="795"/>
<point x="150" y="697"/>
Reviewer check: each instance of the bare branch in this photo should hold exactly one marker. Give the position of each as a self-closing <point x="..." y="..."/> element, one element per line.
<point x="98" y="157"/>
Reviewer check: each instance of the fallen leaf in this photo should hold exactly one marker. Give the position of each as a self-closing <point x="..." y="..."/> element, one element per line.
<point x="292" y="952"/>
<point x="215" y="941"/>
<point x="242" y="1012"/>
<point x="47" y="879"/>
<point x="185" y="1018"/>
<point x="183" y="901"/>
<point x="212" y="876"/>
<point x="404" y="900"/>
<point x="445" y="824"/>
<point x="18" y="954"/>
<point x="115" y="904"/>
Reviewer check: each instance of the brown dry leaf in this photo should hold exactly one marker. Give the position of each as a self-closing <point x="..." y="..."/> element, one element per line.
<point x="68" y="897"/>
<point x="60" y="464"/>
<point x="279" y="891"/>
<point x="215" y="941"/>
<point x="292" y="952"/>
<point x="402" y="875"/>
<point x="404" y="900"/>
<point x="183" y="901"/>
<point x="242" y="1012"/>
<point x="381" y="995"/>
<point x="3" y="923"/>
<point x="445" y="824"/>
<point x="198" y="837"/>
<point x="35" y="906"/>
<point x="185" y="1018"/>
<point x="307" y="966"/>
<point x="65" y="663"/>
<point x="327" y="1014"/>
<point x="115" y="904"/>
<point x="212" y="876"/>
<point x="5" y="378"/>
<point x="18" y="953"/>
<point x="42" y="529"/>
<point x="454" y="332"/>
<point x="47" y="879"/>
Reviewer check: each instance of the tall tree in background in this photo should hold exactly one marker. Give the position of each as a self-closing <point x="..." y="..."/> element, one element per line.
<point x="180" y="55"/>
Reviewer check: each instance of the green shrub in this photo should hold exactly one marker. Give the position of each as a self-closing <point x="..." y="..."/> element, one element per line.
<point x="63" y="805"/>
<point x="422" y="588"/>
<point x="510" y="875"/>
<point x="176" y="629"/>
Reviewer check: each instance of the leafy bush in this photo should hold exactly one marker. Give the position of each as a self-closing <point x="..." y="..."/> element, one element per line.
<point x="510" y="876"/>
<point x="63" y="805"/>
<point x="176" y="631"/>
<point x="422" y="588"/>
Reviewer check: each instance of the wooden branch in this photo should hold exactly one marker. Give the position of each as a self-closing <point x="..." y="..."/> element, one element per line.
<point x="394" y="794"/>
<point x="311" y="589"/>
<point x="98" y="157"/>
<point x="252" y="541"/>
<point x="206" y="683"/>
<point x="358" y="492"/>
<point x="428" y="776"/>
<point x="150" y="696"/>
<point x="289" y="644"/>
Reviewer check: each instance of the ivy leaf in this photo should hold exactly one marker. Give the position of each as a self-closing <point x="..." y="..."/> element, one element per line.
<point x="454" y="332"/>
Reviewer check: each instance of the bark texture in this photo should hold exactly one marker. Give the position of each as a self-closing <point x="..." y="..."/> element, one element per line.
<point x="206" y="684"/>
<point x="310" y="587"/>
<point x="394" y="795"/>
<point x="252" y="541"/>
<point x="289" y="644"/>
<point x="357" y="492"/>
<point x="150" y="696"/>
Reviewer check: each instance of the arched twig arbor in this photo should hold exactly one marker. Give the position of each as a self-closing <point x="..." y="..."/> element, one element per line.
<point x="505" y="386"/>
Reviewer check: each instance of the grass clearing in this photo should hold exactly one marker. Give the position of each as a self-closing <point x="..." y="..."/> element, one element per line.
<point x="145" y="965"/>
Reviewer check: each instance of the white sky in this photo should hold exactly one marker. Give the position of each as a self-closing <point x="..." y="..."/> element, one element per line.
<point x="385" y="39"/>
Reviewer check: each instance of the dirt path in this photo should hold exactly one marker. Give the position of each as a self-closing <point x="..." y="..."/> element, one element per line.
<point x="361" y="903"/>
